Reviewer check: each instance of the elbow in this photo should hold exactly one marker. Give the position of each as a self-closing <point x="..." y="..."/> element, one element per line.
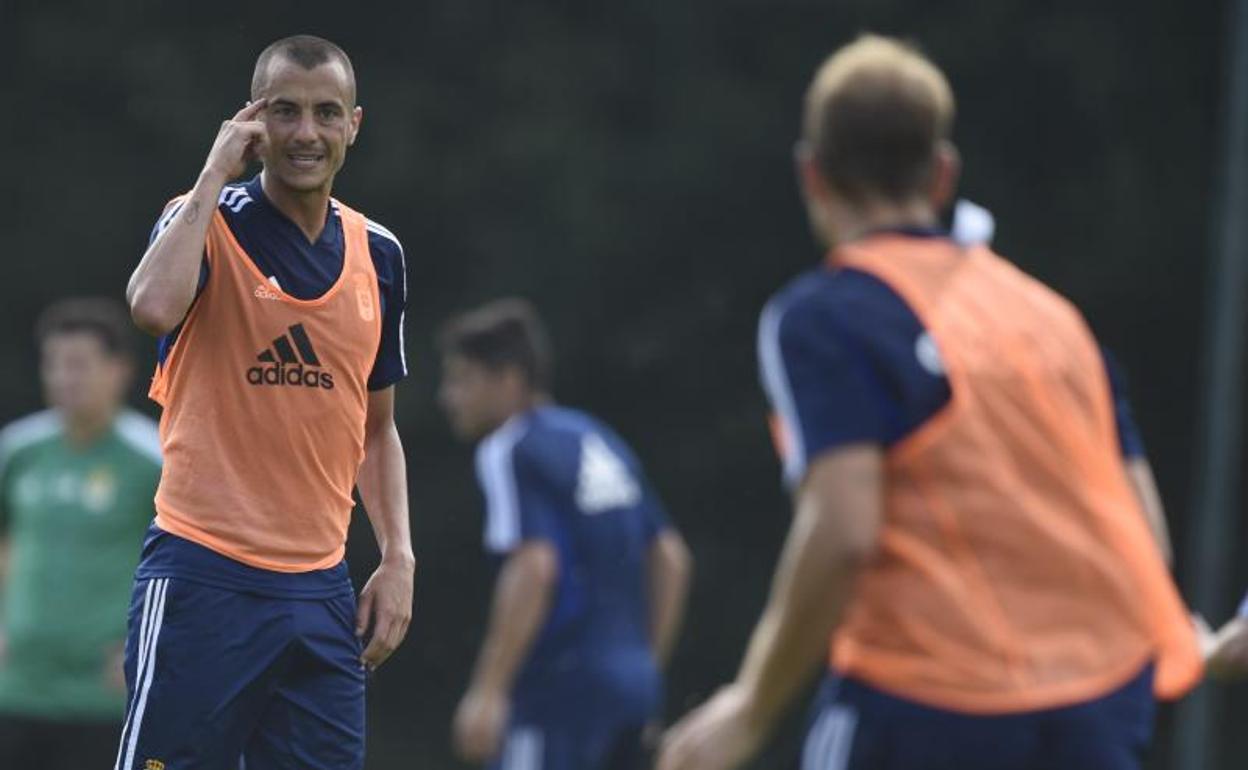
<point x="152" y="316"/>
<point x="679" y="559"/>
<point x="851" y="554"/>
<point x="671" y="562"/>
<point x="539" y="563"/>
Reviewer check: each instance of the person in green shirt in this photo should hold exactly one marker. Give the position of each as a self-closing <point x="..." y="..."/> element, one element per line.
<point x="76" y="489"/>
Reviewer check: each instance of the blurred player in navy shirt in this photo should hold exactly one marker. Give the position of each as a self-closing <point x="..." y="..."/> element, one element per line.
<point x="592" y="578"/>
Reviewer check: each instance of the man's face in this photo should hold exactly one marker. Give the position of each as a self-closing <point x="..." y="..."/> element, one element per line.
<point x="473" y="396"/>
<point x="311" y="119"/>
<point x="81" y="379"/>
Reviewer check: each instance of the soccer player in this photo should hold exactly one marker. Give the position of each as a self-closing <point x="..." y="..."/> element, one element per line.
<point x="592" y="578"/>
<point x="76" y="484"/>
<point x="966" y="530"/>
<point x="280" y="312"/>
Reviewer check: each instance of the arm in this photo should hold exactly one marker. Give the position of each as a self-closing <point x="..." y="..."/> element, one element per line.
<point x="163" y="286"/>
<point x="1141" y="475"/>
<point x="833" y="535"/>
<point x="386" y="601"/>
<point x="1135" y="457"/>
<point x="522" y="600"/>
<point x="668" y="568"/>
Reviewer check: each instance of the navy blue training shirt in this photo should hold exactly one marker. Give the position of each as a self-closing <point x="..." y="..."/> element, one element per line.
<point x="306" y="270"/>
<point x="561" y="476"/>
<point x="845" y="360"/>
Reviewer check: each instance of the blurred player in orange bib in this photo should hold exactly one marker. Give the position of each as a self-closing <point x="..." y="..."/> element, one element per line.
<point x="280" y="313"/>
<point x="972" y="503"/>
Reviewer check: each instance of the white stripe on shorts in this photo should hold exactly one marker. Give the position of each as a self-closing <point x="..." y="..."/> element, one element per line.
<point x="149" y="637"/>
<point x="830" y="740"/>
<point x="523" y="750"/>
<point x="142" y="653"/>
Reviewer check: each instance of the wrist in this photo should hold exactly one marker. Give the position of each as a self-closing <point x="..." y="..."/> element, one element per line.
<point x="211" y="179"/>
<point x="402" y="558"/>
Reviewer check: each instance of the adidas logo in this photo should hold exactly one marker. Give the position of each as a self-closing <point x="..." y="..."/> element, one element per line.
<point x="288" y="367"/>
<point x="603" y="480"/>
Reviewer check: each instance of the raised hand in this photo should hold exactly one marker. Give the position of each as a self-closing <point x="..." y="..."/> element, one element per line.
<point x="241" y="140"/>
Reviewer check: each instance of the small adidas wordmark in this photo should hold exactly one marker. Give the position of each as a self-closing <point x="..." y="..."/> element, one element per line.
<point x="290" y="364"/>
<point x="264" y="292"/>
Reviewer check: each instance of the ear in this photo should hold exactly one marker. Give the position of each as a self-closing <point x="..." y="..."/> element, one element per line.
<point x="809" y="178"/>
<point x="516" y="383"/>
<point x="357" y="118"/>
<point x="946" y="171"/>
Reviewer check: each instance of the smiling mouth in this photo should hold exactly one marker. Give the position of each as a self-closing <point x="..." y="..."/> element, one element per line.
<point x="305" y="159"/>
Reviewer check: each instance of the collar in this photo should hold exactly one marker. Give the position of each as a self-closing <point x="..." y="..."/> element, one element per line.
<point x="909" y="231"/>
<point x="331" y="234"/>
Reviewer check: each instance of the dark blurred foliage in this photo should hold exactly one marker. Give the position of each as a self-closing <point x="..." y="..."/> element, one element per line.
<point x="627" y="166"/>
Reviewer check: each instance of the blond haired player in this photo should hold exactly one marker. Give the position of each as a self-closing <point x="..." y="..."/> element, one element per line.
<point x="972" y="509"/>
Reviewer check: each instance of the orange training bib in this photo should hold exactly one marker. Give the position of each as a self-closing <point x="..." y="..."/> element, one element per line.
<point x="265" y="398"/>
<point x="1016" y="570"/>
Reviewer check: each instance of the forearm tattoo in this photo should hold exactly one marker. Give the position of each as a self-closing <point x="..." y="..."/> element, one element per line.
<point x="191" y="212"/>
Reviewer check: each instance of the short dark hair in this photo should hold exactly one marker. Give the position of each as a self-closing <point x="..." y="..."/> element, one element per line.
<point x="875" y="112"/>
<point x="105" y="318"/>
<point x="502" y="333"/>
<point x="308" y="51"/>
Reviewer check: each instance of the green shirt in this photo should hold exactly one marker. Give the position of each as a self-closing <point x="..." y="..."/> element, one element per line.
<point x="74" y="518"/>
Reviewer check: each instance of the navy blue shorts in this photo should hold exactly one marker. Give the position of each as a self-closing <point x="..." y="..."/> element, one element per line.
<point x="856" y="727"/>
<point x="564" y="746"/>
<point x="223" y="680"/>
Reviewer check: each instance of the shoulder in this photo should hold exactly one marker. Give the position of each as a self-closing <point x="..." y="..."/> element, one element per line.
<point x="234" y="198"/>
<point x="30" y="429"/>
<point x="27" y="432"/>
<point x="167" y="214"/>
<point x="1038" y="293"/>
<point x="141" y="434"/>
<point x="540" y="444"/>
<point x="577" y="424"/>
<point x="497" y="474"/>
<point x="560" y="440"/>
<point x="831" y="304"/>
<point x="233" y="202"/>
<point x="496" y="452"/>
<point x="553" y="429"/>
<point x="385" y="248"/>
<point x="830" y="293"/>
